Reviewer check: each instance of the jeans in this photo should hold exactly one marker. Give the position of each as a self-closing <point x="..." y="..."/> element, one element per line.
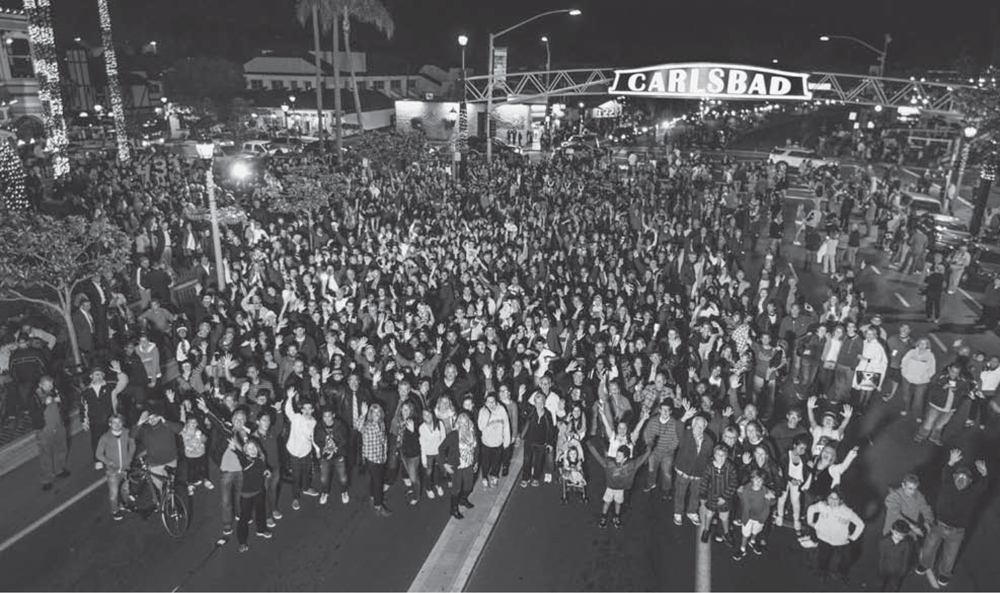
<point x="507" y="457"/>
<point x="230" y="486"/>
<point x="686" y="491"/>
<point x="432" y="471"/>
<point x="807" y="371"/>
<point x="934" y="422"/>
<point x="117" y="485"/>
<point x="913" y="397"/>
<point x="271" y="485"/>
<point x="252" y="508"/>
<point x="301" y="474"/>
<point x="834" y="560"/>
<point x="662" y="464"/>
<point x="411" y="465"/>
<point x="534" y="461"/>
<point x="51" y="454"/>
<point x="932" y="306"/>
<point x="392" y="459"/>
<point x="491" y="461"/>
<point x="329" y="467"/>
<point x="376" y="477"/>
<point x="948" y="537"/>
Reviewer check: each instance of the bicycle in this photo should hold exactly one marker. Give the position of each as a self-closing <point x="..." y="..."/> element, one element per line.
<point x="167" y="502"/>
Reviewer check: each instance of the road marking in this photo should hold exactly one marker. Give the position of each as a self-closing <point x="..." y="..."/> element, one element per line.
<point x="703" y="565"/>
<point x="876" y="270"/>
<point x="902" y="300"/>
<point x="48" y="516"/>
<point x="964" y="201"/>
<point x="937" y="342"/>
<point x="970" y="297"/>
<point x="794" y="273"/>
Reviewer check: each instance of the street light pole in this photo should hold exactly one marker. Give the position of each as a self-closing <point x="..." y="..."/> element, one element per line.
<point x="207" y="151"/>
<point x="489" y="83"/>
<point x="881" y="53"/>
<point x="548" y="60"/>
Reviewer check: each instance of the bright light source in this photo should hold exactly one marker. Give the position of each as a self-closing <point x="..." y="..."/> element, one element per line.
<point x="545" y="39"/>
<point x="825" y="38"/>
<point x="878" y="109"/>
<point x="205" y="149"/>
<point x="774" y="61"/>
<point x="463" y="40"/>
<point x="970" y="131"/>
<point x="575" y="12"/>
<point x="240" y="171"/>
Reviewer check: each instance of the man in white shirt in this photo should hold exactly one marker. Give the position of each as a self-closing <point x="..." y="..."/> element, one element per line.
<point x="837" y="527"/>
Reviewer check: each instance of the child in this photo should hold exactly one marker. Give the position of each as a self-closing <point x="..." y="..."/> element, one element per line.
<point x="194" y="452"/>
<point x="718" y="484"/>
<point x="755" y="503"/>
<point x="572" y="470"/>
<point x="620" y="475"/>
<point x="253" y="504"/>
<point x="895" y="556"/>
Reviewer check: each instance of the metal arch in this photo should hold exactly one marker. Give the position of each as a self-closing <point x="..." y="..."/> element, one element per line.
<point x="937" y="98"/>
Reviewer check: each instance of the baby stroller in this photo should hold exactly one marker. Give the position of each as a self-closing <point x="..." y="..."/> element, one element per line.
<point x="571" y="476"/>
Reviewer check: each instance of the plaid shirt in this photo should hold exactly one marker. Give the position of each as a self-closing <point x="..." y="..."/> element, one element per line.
<point x="373" y="442"/>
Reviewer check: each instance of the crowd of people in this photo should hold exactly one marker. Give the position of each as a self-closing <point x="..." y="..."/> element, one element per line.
<point x="427" y="327"/>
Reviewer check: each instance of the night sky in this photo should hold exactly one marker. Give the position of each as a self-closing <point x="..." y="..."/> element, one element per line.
<point x="609" y="33"/>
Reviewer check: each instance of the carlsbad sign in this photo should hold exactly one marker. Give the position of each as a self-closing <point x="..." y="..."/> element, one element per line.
<point x="710" y="81"/>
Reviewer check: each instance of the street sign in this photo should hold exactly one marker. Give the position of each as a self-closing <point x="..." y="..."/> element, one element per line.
<point x="702" y="80"/>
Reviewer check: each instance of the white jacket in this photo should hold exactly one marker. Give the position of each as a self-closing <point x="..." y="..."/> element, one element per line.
<point x="832" y="524"/>
<point x="300" y="433"/>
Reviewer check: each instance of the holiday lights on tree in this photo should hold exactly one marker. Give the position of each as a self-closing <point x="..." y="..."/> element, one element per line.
<point x="46" y="66"/>
<point x="114" y="83"/>
<point x="12" y="179"/>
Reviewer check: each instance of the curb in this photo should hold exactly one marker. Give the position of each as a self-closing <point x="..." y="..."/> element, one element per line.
<point x="438" y="571"/>
<point x="23" y="449"/>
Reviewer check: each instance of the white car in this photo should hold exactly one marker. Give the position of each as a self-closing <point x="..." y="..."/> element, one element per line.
<point x="795" y="156"/>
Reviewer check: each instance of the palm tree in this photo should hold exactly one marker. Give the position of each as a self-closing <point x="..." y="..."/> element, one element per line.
<point x="114" y="84"/>
<point x="370" y="12"/>
<point x="310" y="10"/>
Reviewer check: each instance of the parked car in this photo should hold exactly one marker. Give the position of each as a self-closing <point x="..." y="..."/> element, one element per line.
<point x="919" y="203"/>
<point x="794" y="157"/>
<point x="257" y="147"/>
<point x="286" y="145"/>
<point x="477" y="149"/>
<point x="622" y="135"/>
<point x="984" y="268"/>
<point x="577" y="150"/>
<point x="587" y="138"/>
<point x="944" y="233"/>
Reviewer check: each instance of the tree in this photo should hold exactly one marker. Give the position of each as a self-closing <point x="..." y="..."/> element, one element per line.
<point x="12" y="179"/>
<point x="192" y="81"/>
<point x="307" y="189"/>
<point x="307" y="10"/>
<point x="46" y="65"/>
<point x="369" y="12"/>
<point x="43" y="259"/>
<point x="114" y="82"/>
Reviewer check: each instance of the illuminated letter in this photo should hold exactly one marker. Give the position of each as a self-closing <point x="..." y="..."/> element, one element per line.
<point x="737" y="82"/>
<point x="716" y="82"/>
<point x="758" y="86"/>
<point x="677" y="80"/>
<point x="636" y="82"/>
<point x="693" y="83"/>
<point x="780" y="85"/>
<point x="655" y="83"/>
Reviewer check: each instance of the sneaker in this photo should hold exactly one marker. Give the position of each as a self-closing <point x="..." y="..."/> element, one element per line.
<point x="227" y="530"/>
<point x="617" y="521"/>
<point x="943" y="581"/>
<point x="535" y="483"/>
<point x="98" y="465"/>
<point x="465" y="503"/>
<point x="694" y="518"/>
<point x="720" y="538"/>
<point x="968" y="424"/>
<point x="63" y="474"/>
<point x="797" y="526"/>
<point x="486" y="483"/>
<point x="345" y="498"/>
<point x="494" y="481"/>
<point x="413" y="500"/>
<point x="210" y="486"/>
<point x="921" y="570"/>
<point x="190" y="489"/>
<point x="430" y="493"/>
<point x="385" y="487"/>
<point x="678" y="520"/>
<point x="271" y="523"/>
<point x="118" y="515"/>
<point x="311" y="492"/>
<point x="383" y="512"/>
<point x="603" y="522"/>
<point x="649" y="488"/>
<point x="277" y="515"/>
<point x="440" y="491"/>
<point x="244" y="548"/>
<point x="323" y="498"/>
<point x="807" y="542"/>
<point x="548" y="478"/>
<point x="777" y="520"/>
<point x="903" y="412"/>
<point x="295" y="504"/>
<point x="524" y="483"/>
<point x="266" y="534"/>
<point x="755" y="547"/>
<point x="739" y="555"/>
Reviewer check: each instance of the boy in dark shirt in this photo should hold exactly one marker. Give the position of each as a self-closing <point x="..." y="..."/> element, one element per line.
<point x="895" y="556"/>
<point x="620" y="475"/>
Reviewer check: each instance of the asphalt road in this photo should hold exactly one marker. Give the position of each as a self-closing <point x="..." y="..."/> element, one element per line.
<point x="540" y="545"/>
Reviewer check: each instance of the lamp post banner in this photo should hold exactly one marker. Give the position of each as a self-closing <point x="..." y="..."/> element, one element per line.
<point x="499" y="64"/>
<point x="701" y="80"/>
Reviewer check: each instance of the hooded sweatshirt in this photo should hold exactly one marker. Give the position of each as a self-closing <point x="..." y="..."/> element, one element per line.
<point x="832" y="524"/>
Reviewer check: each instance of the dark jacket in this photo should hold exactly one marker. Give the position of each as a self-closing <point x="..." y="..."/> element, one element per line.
<point x="159" y="442"/>
<point x="332" y="440"/>
<point x="253" y="474"/>
<point x="895" y="560"/>
<point x="619" y="477"/>
<point x="690" y="460"/>
<point x="539" y="429"/>
<point x="957" y="508"/>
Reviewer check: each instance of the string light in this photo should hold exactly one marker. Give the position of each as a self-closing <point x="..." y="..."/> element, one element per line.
<point x="46" y="65"/>
<point x="12" y="178"/>
<point x="114" y="83"/>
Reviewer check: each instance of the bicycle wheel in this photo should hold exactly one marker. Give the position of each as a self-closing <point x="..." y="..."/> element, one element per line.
<point x="174" y="514"/>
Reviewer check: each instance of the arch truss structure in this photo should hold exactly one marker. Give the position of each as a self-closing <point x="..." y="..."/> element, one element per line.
<point x="934" y="98"/>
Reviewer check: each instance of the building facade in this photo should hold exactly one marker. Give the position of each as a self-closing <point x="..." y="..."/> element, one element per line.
<point x="17" y="74"/>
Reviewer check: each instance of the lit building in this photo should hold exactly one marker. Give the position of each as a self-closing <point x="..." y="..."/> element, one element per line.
<point x="84" y="86"/>
<point x="276" y="111"/>
<point x="17" y="75"/>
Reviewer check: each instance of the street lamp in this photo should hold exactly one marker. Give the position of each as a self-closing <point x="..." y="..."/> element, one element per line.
<point x="548" y="59"/>
<point x="969" y="132"/>
<point x="489" y="83"/>
<point x="206" y="151"/>
<point x="284" y="109"/>
<point x="463" y="116"/>
<point x="881" y="53"/>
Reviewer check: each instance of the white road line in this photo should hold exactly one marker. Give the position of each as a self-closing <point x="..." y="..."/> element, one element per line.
<point x="964" y="201"/>
<point x="703" y="565"/>
<point x="971" y="298"/>
<point x="794" y="273"/>
<point x="48" y="516"/>
<point x="876" y="270"/>
<point x="902" y="300"/>
<point x="937" y="342"/>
